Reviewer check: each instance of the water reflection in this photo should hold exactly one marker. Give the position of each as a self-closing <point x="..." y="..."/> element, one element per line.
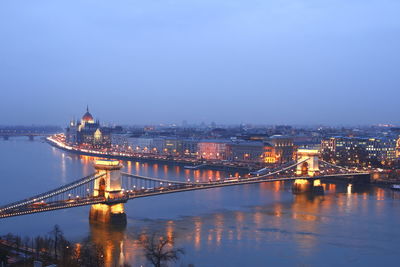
<point x="197" y="233"/>
<point x="63" y="168"/>
<point x="301" y="221"/>
<point x="112" y="241"/>
<point x="129" y="166"/>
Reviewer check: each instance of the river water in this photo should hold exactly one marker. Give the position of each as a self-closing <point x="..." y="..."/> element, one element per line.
<point x="248" y="225"/>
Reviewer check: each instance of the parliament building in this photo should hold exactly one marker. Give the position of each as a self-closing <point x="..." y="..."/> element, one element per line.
<point x="88" y="132"/>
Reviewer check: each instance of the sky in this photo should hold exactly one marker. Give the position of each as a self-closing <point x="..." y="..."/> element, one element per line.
<point x="164" y="61"/>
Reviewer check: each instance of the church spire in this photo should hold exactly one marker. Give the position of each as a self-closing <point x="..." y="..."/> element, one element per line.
<point x="87" y="108"/>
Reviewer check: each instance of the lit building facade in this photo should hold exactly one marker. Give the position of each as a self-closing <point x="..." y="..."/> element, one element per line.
<point x="164" y="145"/>
<point x="398" y="148"/>
<point x="189" y="147"/>
<point x="382" y="149"/>
<point x="88" y="132"/>
<point x="269" y="155"/>
<point x="212" y="149"/>
<point x="245" y="151"/>
<point x="120" y="139"/>
<point x="283" y="148"/>
<point x="360" y="151"/>
<point x="141" y="144"/>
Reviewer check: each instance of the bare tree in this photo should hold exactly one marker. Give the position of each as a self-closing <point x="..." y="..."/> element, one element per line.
<point x="58" y="236"/>
<point x="4" y="255"/>
<point x="91" y="254"/>
<point x="159" y="250"/>
<point x="26" y="243"/>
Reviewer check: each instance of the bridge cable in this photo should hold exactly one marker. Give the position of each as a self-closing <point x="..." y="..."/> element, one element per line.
<point x="51" y="193"/>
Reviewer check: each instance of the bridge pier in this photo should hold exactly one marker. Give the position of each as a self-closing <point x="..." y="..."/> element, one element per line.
<point x="108" y="214"/>
<point x="109" y="186"/>
<point x="31" y="137"/>
<point x="5" y="137"/>
<point x="307" y="186"/>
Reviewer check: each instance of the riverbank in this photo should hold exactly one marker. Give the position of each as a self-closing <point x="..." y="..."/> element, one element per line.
<point x="145" y="158"/>
<point x="385" y="183"/>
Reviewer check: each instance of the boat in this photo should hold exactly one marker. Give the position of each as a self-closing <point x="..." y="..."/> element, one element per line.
<point x="190" y="167"/>
<point x="195" y="167"/>
<point x="395" y="187"/>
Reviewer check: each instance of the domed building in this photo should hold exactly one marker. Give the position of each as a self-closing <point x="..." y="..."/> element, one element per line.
<point x="87" y="117"/>
<point x="88" y="132"/>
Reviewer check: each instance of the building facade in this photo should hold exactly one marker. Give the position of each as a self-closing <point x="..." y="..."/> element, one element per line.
<point x="245" y="151"/>
<point x="88" y="132"/>
<point x="283" y="148"/>
<point x="212" y="149"/>
<point x="360" y="151"/>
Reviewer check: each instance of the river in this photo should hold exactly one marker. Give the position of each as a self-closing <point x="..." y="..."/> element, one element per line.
<point x="248" y="225"/>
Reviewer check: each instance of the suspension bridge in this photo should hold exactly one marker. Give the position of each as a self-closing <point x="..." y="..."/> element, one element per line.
<point x="108" y="188"/>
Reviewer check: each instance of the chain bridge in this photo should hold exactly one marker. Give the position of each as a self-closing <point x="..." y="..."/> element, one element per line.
<point x="108" y="188"/>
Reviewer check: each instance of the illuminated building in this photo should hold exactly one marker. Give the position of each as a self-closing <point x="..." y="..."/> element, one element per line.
<point x="269" y="155"/>
<point x="345" y="150"/>
<point x="283" y="148"/>
<point x="212" y="149"/>
<point x="163" y="145"/>
<point x="120" y="139"/>
<point x="172" y="146"/>
<point x="246" y="151"/>
<point x="382" y="149"/>
<point x="189" y="146"/>
<point x="87" y="131"/>
<point x="398" y="148"/>
<point x="251" y="151"/>
<point x="356" y="150"/>
<point x="141" y="144"/>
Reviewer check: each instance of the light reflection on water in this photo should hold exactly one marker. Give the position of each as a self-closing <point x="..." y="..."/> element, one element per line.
<point x="302" y="223"/>
<point x="236" y="226"/>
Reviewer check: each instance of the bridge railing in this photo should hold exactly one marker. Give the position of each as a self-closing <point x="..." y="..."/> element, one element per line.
<point x="151" y="178"/>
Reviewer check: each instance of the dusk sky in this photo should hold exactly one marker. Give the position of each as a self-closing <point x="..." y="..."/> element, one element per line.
<point x="164" y="61"/>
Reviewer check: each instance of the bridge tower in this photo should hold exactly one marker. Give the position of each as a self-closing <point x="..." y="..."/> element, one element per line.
<point x="109" y="187"/>
<point x="308" y="168"/>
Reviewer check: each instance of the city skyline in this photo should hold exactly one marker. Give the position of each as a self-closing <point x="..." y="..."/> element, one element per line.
<point x="199" y="133"/>
<point x="296" y="62"/>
